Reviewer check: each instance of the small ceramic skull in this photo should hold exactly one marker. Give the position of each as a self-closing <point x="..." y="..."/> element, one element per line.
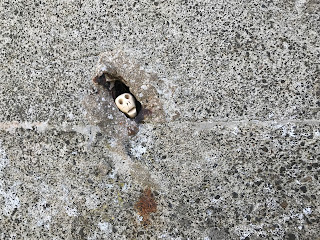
<point x="127" y="104"/>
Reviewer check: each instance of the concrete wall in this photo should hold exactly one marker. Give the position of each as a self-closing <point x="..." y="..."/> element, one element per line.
<point x="232" y="151"/>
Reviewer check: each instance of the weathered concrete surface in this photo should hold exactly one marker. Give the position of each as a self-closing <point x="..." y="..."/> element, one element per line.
<point x="237" y="156"/>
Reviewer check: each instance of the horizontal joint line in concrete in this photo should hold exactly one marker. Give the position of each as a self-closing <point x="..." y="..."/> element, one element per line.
<point x="92" y="129"/>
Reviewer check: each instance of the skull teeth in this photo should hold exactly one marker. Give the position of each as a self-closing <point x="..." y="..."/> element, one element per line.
<point x="131" y="110"/>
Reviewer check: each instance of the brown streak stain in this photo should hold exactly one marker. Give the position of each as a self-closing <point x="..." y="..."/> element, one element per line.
<point x="284" y="204"/>
<point x="132" y="130"/>
<point x="146" y="205"/>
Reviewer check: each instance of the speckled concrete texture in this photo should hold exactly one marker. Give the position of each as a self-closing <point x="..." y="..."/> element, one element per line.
<point x="235" y="155"/>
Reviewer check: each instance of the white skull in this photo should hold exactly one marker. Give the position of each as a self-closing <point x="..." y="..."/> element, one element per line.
<point x="127" y="104"/>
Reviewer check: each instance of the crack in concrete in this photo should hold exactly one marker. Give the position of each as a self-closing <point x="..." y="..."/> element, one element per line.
<point x="92" y="129"/>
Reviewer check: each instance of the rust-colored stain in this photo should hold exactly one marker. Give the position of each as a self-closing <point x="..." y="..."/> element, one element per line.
<point x="132" y="130"/>
<point x="146" y="205"/>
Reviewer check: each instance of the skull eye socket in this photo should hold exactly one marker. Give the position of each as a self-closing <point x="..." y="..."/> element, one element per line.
<point x="120" y="101"/>
<point x="126" y="96"/>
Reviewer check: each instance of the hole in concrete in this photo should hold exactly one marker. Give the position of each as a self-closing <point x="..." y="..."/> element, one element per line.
<point x="117" y="73"/>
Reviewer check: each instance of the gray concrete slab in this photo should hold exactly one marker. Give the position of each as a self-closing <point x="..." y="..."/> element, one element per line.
<point x="235" y="156"/>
